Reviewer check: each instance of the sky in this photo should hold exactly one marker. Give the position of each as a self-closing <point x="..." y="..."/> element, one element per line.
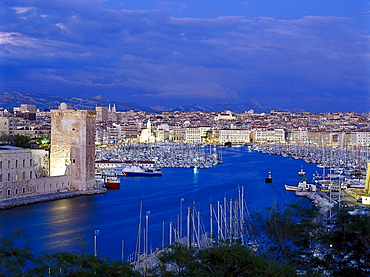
<point x="312" y="55"/>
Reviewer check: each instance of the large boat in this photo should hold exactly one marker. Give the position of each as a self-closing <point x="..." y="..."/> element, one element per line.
<point x="135" y="170"/>
<point x="112" y="181"/>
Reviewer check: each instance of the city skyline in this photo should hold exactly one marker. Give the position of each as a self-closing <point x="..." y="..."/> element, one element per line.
<point x="292" y="55"/>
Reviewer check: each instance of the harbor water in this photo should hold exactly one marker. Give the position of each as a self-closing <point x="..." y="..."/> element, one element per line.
<point x="69" y="224"/>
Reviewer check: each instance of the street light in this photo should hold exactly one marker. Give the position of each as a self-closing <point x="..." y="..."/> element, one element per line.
<point x="96" y="234"/>
<point x="49" y="271"/>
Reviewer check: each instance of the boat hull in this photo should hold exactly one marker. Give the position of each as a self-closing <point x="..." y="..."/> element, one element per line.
<point x="112" y="185"/>
<point x="127" y="173"/>
<point x="291" y="188"/>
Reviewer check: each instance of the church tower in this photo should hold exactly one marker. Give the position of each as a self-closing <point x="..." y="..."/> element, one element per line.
<point x="72" y="149"/>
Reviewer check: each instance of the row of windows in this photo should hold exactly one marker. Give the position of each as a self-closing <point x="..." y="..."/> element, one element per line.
<point x="28" y="190"/>
<point x="16" y="192"/>
<point x="16" y="163"/>
<point x="16" y="177"/>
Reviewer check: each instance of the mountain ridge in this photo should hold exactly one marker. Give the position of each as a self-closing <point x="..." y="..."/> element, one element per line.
<point x="9" y="100"/>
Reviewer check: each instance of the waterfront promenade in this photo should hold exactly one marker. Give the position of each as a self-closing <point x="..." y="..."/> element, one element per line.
<point x="7" y="204"/>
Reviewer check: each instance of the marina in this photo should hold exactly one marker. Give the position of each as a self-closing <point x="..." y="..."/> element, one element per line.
<point x="63" y="224"/>
<point x="207" y="190"/>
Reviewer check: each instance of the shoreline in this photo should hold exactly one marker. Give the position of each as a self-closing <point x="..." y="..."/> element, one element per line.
<point x="8" y="204"/>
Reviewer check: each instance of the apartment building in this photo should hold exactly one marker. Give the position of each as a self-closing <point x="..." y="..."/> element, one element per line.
<point x="264" y="135"/>
<point x="235" y="136"/>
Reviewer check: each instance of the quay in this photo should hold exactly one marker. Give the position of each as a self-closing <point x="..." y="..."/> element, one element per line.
<point x="319" y="200"/>
<point x="7" y="204"/>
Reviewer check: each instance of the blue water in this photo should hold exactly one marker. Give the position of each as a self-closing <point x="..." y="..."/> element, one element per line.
<point x="69" y="224"/>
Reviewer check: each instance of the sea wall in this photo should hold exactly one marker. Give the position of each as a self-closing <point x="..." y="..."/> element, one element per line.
<point x="7" y="204"/>
<point x="319" y="200"/>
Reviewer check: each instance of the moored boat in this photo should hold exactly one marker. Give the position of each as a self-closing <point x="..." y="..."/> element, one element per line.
<point x="111" y="181"/>
<point x="135" y="170"/>
<point x="290" y="187"/>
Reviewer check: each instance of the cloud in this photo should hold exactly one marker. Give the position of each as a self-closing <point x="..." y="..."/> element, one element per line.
<point x="229" y="57"/>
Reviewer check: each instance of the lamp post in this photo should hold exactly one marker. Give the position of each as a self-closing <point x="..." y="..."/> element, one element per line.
<point x="49" y="270"/>
<point x="96" y="234"/>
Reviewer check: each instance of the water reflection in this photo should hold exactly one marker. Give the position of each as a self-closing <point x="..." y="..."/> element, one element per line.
<point x="69" y="224"/>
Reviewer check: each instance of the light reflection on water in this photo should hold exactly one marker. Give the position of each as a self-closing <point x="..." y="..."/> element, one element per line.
<point x="69" y="224"/>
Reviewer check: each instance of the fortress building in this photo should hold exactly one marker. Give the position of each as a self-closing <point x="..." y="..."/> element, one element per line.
<point x="69" y="166"/>
<point x="72" y="149"/>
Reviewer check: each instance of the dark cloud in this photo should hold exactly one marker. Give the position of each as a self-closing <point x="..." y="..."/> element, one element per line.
<point x="85" y="46"/>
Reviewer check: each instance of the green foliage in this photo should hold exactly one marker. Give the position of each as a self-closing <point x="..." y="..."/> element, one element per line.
<point x="227" y="260"/>
<point x="289" y="241"/>
<point x="16" y="140"/>
<point x="290" y="236"/>
<point x="72" y="264"/>
<point x="43" y="142"/>
<point x="15" y="254"/>
<point x="349" y="246"/>
<point x="16" y="260"/>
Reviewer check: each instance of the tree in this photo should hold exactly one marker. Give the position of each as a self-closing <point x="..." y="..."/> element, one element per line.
<point x="73" y="264"/>
<point x="290" y="236"/>
<point x="239" y="260"/>
<point x="348" y="245"/>
<point x="43" y="142"/>
<point x="226" y="260"/>
<point x="15" y="254"/>
<point x="177" y="260"/>
<point x="16" y="140"/>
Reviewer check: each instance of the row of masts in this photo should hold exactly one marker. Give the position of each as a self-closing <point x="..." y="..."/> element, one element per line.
<point x="229" y="223"/>
<point x="348" y="160"/>
<point x="164" y="154"/>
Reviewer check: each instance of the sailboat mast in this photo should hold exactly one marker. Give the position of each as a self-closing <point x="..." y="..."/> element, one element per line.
<point x="138" y="239"/>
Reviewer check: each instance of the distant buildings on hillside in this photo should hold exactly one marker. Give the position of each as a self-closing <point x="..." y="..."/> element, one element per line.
<point x="112" y="126"/>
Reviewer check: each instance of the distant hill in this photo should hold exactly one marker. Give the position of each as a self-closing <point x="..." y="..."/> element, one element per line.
<point x="10" y="100"/>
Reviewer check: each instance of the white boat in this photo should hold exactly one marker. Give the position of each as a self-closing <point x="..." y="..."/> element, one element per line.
<point x="302" y="186"/>
<point x="136" y="170"/>
<point x="290" y="187"/>
<point x="99" y="179"/>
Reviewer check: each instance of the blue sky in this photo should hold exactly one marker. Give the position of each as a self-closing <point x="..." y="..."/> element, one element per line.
<point x="312" y="55"/>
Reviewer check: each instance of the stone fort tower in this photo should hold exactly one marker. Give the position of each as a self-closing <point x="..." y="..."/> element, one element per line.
<point x="72" y="149"/>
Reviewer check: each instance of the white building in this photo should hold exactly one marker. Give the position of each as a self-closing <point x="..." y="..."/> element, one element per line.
<point x="360" y="138"/>
<point x="20" y="171"/>
<point x="7" y="125"/>
<point x="191" y="135"/>
<point x="146" y="135"/>
<point x="235" y="136"/>
<point x="264" y="135"/>
<point x="225" y="115"/>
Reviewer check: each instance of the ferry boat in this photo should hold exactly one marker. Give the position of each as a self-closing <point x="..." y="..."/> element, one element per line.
<point x="135" y="170"/>
<point x="111" y="181"/>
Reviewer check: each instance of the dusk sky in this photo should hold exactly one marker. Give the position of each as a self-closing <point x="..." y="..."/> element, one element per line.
<point x="312" y="55"/>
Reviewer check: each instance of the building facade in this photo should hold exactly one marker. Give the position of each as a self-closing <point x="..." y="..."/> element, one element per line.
<point x="72" y="150"/>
